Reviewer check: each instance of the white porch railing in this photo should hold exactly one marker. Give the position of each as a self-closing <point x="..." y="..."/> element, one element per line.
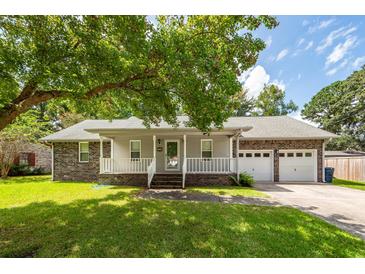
<point x="184" y="169"/>
<point x="124" y="165"/>
<point x="151" y="170"/>
<point x="210" y="165"/>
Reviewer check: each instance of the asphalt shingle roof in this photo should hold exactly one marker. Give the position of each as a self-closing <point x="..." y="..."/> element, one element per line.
<point x="273" y="127"/>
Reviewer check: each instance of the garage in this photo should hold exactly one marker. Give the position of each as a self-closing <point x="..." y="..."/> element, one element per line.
<point x="297" y="165"/>
<point x="258" y="163"/>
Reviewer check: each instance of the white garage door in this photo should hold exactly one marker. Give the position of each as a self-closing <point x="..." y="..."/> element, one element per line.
<point x="258" y="163"/>
<point x="297" y="165"/>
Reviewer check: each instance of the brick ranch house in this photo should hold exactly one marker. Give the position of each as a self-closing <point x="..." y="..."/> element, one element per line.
<point x="272" y="149"/>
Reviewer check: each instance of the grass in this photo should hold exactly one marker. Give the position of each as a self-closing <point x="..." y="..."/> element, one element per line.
<point x="39" y="218"/>
<point x="229" y="191"/>
<point x="350" y="184"/>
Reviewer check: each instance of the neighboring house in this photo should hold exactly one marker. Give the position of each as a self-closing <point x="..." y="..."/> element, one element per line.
<point x="35" y="155"/>
<point x="344" y="153"/>
<point x="126" y="152"/>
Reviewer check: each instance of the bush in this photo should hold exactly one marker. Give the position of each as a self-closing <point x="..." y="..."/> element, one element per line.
<point x="245" y="179"/>
<point x="24" y="170"/>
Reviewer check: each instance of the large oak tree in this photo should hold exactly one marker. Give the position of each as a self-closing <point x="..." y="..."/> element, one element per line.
<point x="174" y="64"/>
<point x="340" y="108"/>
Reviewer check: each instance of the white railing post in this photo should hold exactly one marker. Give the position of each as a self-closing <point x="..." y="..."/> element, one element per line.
<point x="184" y="163"/>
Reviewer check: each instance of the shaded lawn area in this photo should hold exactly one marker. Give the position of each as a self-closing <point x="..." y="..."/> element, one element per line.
<point x="350" y="184"/>
<point x="228" y="191"/>
<point x="45" y="219"/>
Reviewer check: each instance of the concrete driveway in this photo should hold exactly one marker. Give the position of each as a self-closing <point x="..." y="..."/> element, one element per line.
<point x="343" y="207"/>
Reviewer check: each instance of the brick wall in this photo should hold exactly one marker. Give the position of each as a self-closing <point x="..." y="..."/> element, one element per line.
<point x="42" y="155"/>
<point x="284" y="144"/>
<point x="66" y="161"/>
<point x="207" y="179"/>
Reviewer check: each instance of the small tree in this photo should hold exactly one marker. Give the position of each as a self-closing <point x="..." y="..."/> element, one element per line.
<point x="26" y="128"/>
<point x="271" y="102"/>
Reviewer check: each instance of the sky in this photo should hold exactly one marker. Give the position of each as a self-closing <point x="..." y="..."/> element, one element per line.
<point x="306" y="53"/>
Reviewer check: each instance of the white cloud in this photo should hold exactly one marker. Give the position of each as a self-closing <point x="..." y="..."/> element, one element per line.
<point x="336" y="69"/>
<point x="309" y="45"/>
<point x="268" y="41"/>
<point x="298" y="116"/>
<point x="338" y="33"/>
<point x="321" y="25"/>
<point x="305" y="23"/>
<point x="256" y="81"/>
<point x="358" y="62"/>
<point x="282" y="54"/>
<point x="340" y="51"/>
<point x="299" y="76"/>
<point x="301" y="41"/>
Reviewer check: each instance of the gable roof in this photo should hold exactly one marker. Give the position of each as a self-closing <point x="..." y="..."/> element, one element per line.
<point x="270" y="127"/>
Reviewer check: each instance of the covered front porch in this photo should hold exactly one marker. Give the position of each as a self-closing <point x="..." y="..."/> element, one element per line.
<point x="170" y="153"/>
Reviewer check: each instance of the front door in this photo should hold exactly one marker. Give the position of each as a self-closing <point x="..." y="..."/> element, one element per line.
<point x="172" y="155"/>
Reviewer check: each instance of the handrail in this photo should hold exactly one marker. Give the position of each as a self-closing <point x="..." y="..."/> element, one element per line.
<point x="210" y="165"/>
<point x="124" y="165"/>
<point x="151" y="170"/>
<point x="184" y="169"/>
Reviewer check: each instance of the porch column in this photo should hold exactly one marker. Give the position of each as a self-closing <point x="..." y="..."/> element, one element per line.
<point x="184" y="146"/>
<point x="101" y="162"/>
<point x="101" y="147"/>
<point x="154" y="146"/>
<point x="237" y="148"/>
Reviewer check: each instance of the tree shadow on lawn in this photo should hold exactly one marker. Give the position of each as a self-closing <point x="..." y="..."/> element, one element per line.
<point x="25" y="179"/>
<point x="120" y="225"/>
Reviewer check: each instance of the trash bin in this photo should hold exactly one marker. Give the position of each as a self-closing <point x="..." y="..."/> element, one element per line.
<point x="328" y="174"/>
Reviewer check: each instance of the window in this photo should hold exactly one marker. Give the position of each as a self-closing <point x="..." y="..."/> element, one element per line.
<point x="249" y="155"/>
<point x="207" y="148"/>
<point x="240" y="155"/>
<point x="257" y="155"/>
<point x="23" y="158"/>
<point x="308" y="154"/>
<point x="281" y="154"/>
<point x="135" y="148"/>
<point x="299" y="154"/>
<point x="290" y="154"/>
<point x="266" y="155"/>
<point x="84" y="152"/>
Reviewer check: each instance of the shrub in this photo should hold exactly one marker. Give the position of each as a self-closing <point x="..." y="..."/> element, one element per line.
<point x="24" y="170"/>
<point x="245" y="179"/>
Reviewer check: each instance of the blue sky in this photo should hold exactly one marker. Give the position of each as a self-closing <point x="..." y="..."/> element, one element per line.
<point x="306" y="53"/>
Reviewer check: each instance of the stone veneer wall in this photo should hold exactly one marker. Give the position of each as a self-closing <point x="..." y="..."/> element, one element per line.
<point x="66" y="165"/>
<point x="276" y="145"/>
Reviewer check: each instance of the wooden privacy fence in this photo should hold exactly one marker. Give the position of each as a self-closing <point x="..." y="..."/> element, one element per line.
<point x="349" y="168"/>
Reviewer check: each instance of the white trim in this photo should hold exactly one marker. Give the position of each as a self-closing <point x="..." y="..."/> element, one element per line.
<point x="88" y="152"/>
<point x="201" y="147"/>
<point x="130" y="148"/>
<point x="230" y="148"/>
<point x="154" y="146"/>
<point x="52" y="163"/>
<point x="271" y="151"/>
<point x="178" y="154"/>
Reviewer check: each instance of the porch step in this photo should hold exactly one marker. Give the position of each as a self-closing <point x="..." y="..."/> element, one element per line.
<point x="166" y="186"/>
<point x="172" y="180"/>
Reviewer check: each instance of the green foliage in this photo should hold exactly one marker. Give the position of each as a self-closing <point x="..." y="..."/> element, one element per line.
<point x="271" y="102"/>
<point x="25" y="170"/>
<point x="120" y="65"/>
<point x="245" y="180"/>
<point x="340" y="108"/>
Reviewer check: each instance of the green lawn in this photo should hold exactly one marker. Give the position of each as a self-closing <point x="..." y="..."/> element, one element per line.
<point x="229" y="191"/>
<point x="350" y="184"/>
<point x="39" y="218"/>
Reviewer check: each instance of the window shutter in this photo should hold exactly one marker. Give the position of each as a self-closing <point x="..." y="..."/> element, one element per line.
<point x="31" y="159"/>
<point x="16" y="160"/>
